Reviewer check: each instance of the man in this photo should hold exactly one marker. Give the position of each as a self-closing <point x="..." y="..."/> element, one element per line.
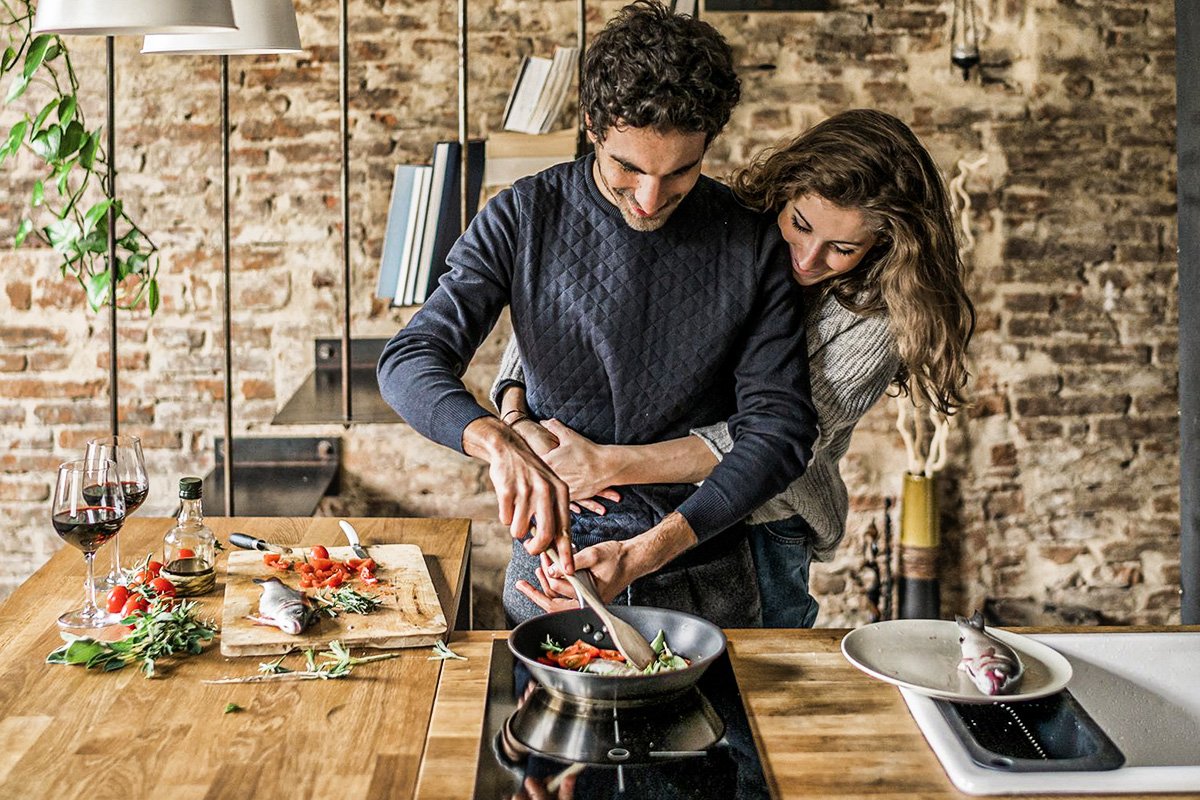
<point x="646" y="302"/>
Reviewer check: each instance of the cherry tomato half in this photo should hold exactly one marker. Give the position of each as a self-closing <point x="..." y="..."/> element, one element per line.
<point x="319" y="551"/>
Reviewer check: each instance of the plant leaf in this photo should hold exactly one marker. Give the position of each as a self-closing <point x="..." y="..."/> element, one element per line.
<point x="15" y="137"/>
<point x="94" y="214"/>
<point x="45" y="143"/>
<point x="23" y="231"/>
<point x="37" y="54"/>
<point x="46" y="111"/>
<point x="39" y="193"/>
<point x="72" y="139"/>
<point x="63" y="235"/>
<point x="66" y="108"/>
<point x="152" y="297"/>
<point x="8" y="59"/>
<point x="87" y="151"/>
<point x="97" y="289"/>
<point x="16" y="88"/>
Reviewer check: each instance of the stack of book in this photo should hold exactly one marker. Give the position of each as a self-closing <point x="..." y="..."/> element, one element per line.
<point x="540" y="90"/>
<point x="514" y="155"/>
<point x="424" y="221"/>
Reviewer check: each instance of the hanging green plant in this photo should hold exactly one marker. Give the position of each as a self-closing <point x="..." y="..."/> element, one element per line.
<point x="63" y="212"/>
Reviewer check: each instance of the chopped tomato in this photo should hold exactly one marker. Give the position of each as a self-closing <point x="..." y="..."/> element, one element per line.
<point x="270" y="559"/>
<point x="334" y="580"/>
<point x="612" y="655"/>
<point x="367" y="577"/>
<point x="186" y="553"/>
<point x="550" y="662"/>
<point x="318" y="551"/>
<point x="354" y="563"/>
<point x="116" y="599"/>
<point x="306" y="582"/>
<point x="308" y="568"/>
<point x="574" y="660"/>
<point x="367" y="564"/>
<point x="320" y="564"/>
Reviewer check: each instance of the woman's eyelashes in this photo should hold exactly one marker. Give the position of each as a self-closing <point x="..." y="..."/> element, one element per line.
<point x="802" y="228"/>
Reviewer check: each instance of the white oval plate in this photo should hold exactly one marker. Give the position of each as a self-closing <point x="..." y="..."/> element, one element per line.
<point x="923" y="655"/>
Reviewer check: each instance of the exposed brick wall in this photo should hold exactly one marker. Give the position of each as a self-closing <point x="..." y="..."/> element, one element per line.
<point x="1061" y="497"/>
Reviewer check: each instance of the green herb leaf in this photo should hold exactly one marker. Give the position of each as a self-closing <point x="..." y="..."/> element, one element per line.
<point x="233" y="708"/>
<point x="8" y="59"/>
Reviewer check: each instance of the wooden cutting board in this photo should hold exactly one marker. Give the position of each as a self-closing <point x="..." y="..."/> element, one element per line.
<point x="410" y="616"/>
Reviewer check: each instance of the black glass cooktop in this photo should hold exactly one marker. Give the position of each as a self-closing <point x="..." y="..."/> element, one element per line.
<point x="694" y="745"/>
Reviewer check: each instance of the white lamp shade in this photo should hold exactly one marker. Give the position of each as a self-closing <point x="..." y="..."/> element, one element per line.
<point x="264" y="27"/>
<point x="132" y="17"/>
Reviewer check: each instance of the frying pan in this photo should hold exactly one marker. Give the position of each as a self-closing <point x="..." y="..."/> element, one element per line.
<point x="692" y="637"/>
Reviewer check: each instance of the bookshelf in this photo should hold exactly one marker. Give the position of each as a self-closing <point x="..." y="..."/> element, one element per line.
<point x="328" y="395"/>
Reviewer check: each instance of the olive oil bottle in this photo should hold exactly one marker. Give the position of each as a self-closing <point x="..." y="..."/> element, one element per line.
<point x="189" y="548"/>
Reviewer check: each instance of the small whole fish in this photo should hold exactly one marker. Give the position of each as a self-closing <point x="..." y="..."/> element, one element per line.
<point x="993" y="666"/>
<point x="284" y="607"/>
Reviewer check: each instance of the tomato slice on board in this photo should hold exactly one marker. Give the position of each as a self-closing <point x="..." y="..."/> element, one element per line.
<point x="270" y="559"/>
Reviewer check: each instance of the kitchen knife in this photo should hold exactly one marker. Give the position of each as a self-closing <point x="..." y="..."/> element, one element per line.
<point x="352" y="535"/>
<point x="248" y="542"/>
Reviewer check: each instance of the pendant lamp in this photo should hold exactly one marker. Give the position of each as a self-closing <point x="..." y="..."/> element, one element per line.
<point x="132" y="17"/>
<point x="265" y="27"/>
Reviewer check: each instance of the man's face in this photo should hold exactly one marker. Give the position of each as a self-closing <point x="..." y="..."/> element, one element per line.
<point x="646" y="173"/>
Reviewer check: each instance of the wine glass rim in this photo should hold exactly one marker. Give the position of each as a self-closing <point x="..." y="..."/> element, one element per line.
<point x="118" y="440"/>
<point x="85" y="464"/>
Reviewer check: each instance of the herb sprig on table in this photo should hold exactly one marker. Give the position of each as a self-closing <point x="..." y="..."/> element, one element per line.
<point x="168" y="628"/>
<point x="337" y="663"/>
<point x="345" y="600"/>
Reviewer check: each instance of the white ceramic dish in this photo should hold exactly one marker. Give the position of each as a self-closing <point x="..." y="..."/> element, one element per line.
<point x="922" y="655"/>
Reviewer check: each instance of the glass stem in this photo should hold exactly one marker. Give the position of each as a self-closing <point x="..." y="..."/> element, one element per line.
<point x="89" y="588"/>
<point x="116" y="575"/>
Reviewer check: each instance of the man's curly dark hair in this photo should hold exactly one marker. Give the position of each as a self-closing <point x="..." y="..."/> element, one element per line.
<point x="651" y="68"/>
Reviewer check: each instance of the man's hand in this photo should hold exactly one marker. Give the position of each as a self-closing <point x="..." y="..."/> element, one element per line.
<point x="589" y="469"/>
<point x="528" y="493"/>
<point x="614" y="565"/>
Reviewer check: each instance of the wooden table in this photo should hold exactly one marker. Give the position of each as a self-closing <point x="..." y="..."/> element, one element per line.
<point x="826" y="729"/>
<point x="69" y="732"/>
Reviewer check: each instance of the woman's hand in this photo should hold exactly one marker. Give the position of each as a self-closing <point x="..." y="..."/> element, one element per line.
<point x="611" y="569"/>
<point x="589" y="469"/>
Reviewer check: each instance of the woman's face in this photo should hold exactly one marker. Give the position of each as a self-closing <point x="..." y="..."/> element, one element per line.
<point x="824" y="239"/>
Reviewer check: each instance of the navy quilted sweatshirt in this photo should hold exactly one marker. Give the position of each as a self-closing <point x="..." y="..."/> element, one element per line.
<point x="628" y="337"/>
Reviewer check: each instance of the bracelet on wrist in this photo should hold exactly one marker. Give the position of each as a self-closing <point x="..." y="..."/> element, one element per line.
<point x="516" y="414"/>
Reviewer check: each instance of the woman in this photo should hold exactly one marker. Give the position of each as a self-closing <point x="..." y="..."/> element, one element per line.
<point x="868" y="223"/>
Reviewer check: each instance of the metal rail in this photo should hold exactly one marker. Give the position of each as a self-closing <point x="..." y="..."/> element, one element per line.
<point x="226" y="305"/>
<point x="1187" y="142"/>
<point x="344" y="97"/>
<point x="113" y="272"/>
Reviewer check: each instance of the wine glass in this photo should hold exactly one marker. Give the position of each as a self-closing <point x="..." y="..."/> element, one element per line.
<point x="126" y="453"/>
<point x="89" y="509"/>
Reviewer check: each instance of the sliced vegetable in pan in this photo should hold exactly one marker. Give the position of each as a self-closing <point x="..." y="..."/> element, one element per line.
<point x="584" y="657"/>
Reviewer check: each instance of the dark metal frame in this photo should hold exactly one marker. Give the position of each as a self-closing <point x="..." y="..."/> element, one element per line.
<point x="1187" y="142"/>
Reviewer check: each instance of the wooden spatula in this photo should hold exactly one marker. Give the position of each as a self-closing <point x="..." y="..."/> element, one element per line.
<point x="628" y="640"/>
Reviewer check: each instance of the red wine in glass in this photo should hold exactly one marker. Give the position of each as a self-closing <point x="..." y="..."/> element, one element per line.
<point x="89" y="527"/>
<point x="126" y="452"/>
<point x="88" y="510"/>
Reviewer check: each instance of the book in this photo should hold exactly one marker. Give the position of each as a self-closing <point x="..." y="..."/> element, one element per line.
<point x="523" y="99"/>
<point x="400" y="212"/>
<point x="686" y="7"/>
<point x="514" y="155"/>
<point x="447" y="222"/>
<point x="433" y="213"/>
<point x="554" y="94"/>
<point x="415" y="237"/>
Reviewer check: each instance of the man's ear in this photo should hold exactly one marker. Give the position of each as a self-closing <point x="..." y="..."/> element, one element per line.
<point x="587" y="127"/>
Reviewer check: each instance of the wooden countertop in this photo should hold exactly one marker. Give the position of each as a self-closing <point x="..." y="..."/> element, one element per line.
<point x="827" y="730"/>
<point x="70" y="732"/>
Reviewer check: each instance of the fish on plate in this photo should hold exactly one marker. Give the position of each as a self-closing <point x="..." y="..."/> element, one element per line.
<point x="283" y="607"/>
<point x="994" y="667"/>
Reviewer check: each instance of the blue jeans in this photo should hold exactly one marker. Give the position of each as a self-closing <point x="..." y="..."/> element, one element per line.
<point x="782" y="553"/>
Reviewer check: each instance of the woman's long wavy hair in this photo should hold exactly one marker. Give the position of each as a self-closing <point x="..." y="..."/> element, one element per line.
<point x="871" y="161"/>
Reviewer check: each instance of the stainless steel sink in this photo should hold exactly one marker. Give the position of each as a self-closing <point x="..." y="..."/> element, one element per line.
<point x="1142" y="688"/>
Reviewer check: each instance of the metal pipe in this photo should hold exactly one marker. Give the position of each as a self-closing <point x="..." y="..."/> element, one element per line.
<point x="462" y="113"/>
<point x="1187" y="138"/>
<point x="113" y="271"/>
<point x="226" y="302"/>
<point x="581" y="140"/>
<point x="344" y="91"/>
